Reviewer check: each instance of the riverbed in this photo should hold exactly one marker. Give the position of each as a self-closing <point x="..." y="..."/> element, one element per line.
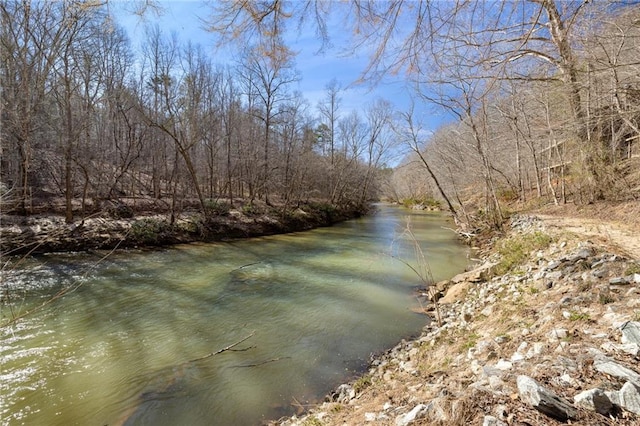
<point x="134" y="338"/>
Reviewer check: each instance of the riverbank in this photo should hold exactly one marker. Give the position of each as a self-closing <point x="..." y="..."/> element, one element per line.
<point x="49" y="233"/>
<point x="545" y="331"/>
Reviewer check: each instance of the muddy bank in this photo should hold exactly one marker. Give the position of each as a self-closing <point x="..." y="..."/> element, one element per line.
<point x="50" y="233"/>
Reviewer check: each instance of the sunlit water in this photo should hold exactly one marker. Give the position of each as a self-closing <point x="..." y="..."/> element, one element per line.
<point x="122" y="347"/>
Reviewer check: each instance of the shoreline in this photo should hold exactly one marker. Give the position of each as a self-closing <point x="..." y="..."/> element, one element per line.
<point x="26" y="235"/>
<point x="561" y="324"/>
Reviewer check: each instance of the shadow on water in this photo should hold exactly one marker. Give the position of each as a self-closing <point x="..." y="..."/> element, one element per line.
<point x="118" y="348"/>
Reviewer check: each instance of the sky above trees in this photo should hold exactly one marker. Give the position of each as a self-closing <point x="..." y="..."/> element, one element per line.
<point x="317" y="68"/>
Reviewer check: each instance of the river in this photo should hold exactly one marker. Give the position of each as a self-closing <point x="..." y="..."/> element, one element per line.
<point x="133" y="340"/>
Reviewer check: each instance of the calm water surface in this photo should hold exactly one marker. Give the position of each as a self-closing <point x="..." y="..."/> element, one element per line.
<point x="123" y="347"/>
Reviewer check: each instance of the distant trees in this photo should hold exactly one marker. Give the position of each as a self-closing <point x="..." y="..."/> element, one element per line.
<point x="87" y="124"/>
<point x="543" y="95"/>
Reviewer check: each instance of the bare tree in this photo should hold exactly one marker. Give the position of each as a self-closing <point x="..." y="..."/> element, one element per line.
<point x="266" y="77"/>
<point x="411" y="133"/>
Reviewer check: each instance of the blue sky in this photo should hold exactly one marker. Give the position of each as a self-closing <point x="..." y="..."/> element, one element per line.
<point x="316" y="69"/>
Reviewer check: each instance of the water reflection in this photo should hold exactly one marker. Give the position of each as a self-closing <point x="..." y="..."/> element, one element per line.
<point x="117" y="349"/>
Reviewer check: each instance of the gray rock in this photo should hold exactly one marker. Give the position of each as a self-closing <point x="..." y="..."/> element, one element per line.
<point x="417" y="412"/>
<point x="544" y="400"/>
<point x="582" y="254"/>
<point x="343" y="394"/>
<point x="619" y="281"/>
<point x="554" y="276"/>
<point x="557" y="334"/>
<point x="606" y="365"/>
<point x="614" y="397"/>
<point x="553" y="265"/>
<point x="630" y="398"/>
<point x="630" y="332"/>
<point x="630" y="348"/>
<point x="594" y="400"/>
<point x="492" y="421"/>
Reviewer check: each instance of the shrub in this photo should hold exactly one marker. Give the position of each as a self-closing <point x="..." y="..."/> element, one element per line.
<point x="579" y="316"/>
<point x="634" y="268"/>
<point x="362" y="383"/>
<point x="251" y="209"/>
<point x="149" y="231"/>
<point x="515" y="250"/>
<point x="217" y="208"/>
<point x="426" y="202"/>
<point x="120" y="211"/>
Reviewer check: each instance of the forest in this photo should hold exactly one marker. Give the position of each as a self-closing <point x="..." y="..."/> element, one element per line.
<point x="544" y="97"/>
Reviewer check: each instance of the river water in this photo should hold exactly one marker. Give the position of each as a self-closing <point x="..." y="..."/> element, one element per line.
<point x="131" y="341"/>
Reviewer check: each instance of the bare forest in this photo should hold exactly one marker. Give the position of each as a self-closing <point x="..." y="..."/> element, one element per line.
<point x="89" y="126"/>
<point x="543" y="95"/>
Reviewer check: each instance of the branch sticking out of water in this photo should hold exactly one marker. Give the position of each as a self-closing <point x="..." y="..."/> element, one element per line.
<point x="421" y="268"/>
<point x="219" y="351"/>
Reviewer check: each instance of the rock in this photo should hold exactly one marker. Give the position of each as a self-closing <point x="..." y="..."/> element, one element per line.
<point x="630" y="332"/>
<point x="504" y="365"/>
<point x="456" y="292"/>
<point x="544" y="400"/>
<point x="582" y="254"/>
<point x="557" y="334"/>
<point x="630" y="348"/>
<point x="554" y="265"/>
<point x="630" y="398"/>
<point x="594" y="400"/>
<point x="492" y="421"/>
<point x="343" y="394"/>
<point x="606" y="365"/>
<point x="417" y="412"/>
<point x="438" y="409"/>
<point x="619" y="281"/>
<point x="370" y="417"/>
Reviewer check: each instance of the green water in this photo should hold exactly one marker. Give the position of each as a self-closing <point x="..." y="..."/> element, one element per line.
<point x="117" y="349"/>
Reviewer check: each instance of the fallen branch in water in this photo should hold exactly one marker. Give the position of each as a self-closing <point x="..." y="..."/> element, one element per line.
<point x="460" y="232"/>
<point x="244" y="266"/>
<point x="219" y="351"/>
<point x="129" y="416"/>
<point x="258" y="364"/>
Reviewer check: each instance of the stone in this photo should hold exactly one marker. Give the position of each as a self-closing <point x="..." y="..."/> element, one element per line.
<point x="496" y="383"/>
<point x="370" y="417"/>
<point x="582" y="254"/>
<point x="618" y="281"/>
<point x="536" y="349"/>
<point x="594" y="400"/>
<point x="417" y="412"/>
<point x="504" y="365"/>
<point x="343" y="394"/>
<point x="606" y="365"/>
<point x="557" y="334"/>
<point x="630" y="398"/>
<point x="554" y="276"/>
<point x="630" y="332"/>
<point x="567" y="380"/>
<point x="614" y="397"/>
<point x="544" y="400"/>
<point x="492" y="421"/>
<point x="630" y="348"/>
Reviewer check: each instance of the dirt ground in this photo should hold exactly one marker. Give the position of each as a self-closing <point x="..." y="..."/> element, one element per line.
<point x="613" y="225"/>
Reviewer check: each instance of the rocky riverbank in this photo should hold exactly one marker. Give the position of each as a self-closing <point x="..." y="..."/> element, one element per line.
<point x="50" y="233"/>
<point x="545" y="331"/>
